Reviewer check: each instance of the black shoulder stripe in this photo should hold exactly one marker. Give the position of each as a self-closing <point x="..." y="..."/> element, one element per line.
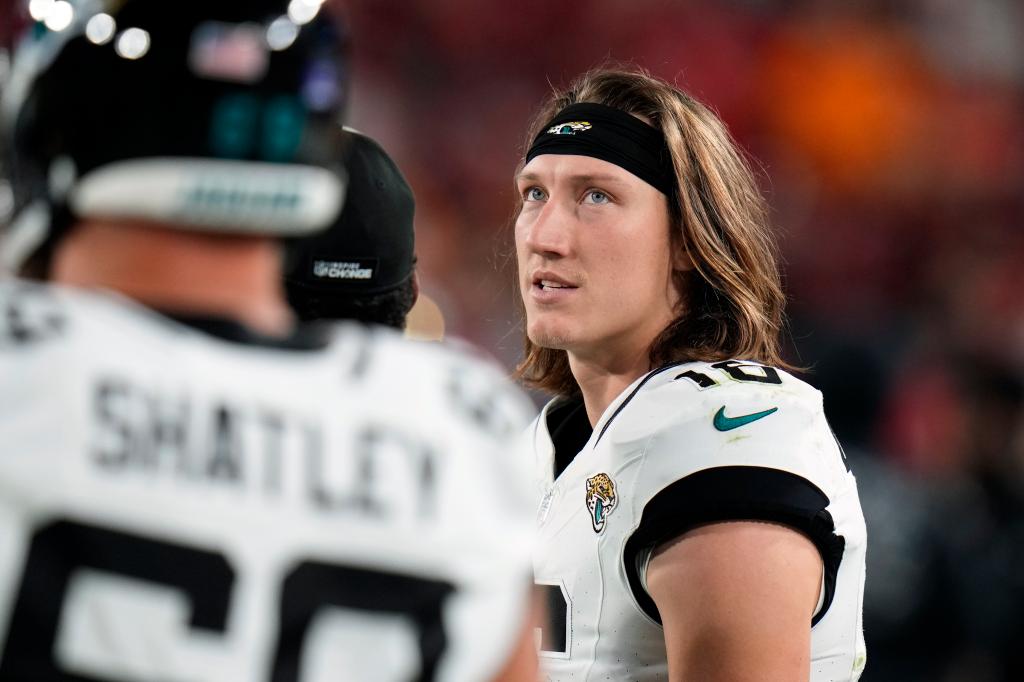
<point x="633" y="393"/>
<point x="307" y="336"/>
<point x="736" y="493"/>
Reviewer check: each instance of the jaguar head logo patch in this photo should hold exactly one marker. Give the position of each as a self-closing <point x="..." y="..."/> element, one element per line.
<point x="601" y="499"/>
<point x="570" y="128"/>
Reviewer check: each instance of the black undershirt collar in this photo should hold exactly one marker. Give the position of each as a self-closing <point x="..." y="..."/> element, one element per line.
<point x="309" y="336"/>
<point x="569" y="428"/>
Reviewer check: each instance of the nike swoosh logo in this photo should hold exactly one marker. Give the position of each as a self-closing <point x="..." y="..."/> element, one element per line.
<point x="723" y="423"/>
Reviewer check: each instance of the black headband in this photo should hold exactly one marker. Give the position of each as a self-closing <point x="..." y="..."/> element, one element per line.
<point x="612" y="135"/>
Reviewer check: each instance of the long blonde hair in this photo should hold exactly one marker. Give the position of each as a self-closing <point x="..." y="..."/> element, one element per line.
<point x="732" y="300"/>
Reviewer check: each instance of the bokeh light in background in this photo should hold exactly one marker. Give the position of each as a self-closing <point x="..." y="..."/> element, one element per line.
<point x="891" y="138"/>
<point x="890" y="135"/>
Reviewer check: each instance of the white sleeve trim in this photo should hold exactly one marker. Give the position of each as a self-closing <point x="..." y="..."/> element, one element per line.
<point x="821" y="594"/>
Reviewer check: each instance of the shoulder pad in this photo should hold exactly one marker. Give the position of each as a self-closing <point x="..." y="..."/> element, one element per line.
<point x="746" y="414"/>
<point x="685" y="391"/>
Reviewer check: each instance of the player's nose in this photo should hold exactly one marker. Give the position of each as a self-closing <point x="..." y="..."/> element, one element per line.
<point x="550" y="234"/>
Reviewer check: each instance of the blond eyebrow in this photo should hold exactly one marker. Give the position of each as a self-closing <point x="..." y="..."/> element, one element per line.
<point x="582" y="179"/>
<point x="527" y="177"/>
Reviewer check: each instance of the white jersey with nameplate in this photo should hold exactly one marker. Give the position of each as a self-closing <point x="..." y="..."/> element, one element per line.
<point x="686" y="445"/>
<point x="186" y="502"/>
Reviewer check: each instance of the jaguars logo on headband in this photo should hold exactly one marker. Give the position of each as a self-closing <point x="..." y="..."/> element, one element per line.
<point x="601" y="499"/>
<point x="570" y="128"/>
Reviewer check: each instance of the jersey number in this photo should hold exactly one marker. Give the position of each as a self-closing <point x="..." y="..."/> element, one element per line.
<point x="554" y="636"/>
<point x="736" y="370"/>
<point x="59" y="549"/>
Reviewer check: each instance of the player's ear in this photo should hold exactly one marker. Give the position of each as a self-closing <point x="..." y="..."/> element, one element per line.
<point x="679" y="255"/>
<point x="415" y="286"/>
<point x="681" y="261"/>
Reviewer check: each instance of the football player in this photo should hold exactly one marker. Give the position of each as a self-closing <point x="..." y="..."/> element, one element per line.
<point x="192" y="487"/>
<point x="698" y="519"/>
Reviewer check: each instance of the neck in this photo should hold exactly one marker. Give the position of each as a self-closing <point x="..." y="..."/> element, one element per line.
<point x="235" y="277"/>
<point x="602" y="381"/>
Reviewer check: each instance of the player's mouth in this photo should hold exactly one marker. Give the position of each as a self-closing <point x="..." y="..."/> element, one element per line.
<point x="547" y="287"/>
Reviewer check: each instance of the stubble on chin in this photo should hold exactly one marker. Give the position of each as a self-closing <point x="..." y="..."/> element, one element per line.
<point x="543" y="336"/>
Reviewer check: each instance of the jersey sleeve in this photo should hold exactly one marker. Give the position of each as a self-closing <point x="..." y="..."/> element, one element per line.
<point x="493" y="507"/>
<point x="740" y="452"/>
<point x="33" y="393"/>
<point x="33" y="368"/>
<point x="502" y="412"/>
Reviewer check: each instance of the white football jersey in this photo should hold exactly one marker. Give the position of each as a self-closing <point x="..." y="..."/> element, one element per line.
<point x="175" y="505"/>
<point x="684" y="445"/>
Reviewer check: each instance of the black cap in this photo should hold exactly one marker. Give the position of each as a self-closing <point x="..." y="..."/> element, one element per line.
<point x="369" y="249"/>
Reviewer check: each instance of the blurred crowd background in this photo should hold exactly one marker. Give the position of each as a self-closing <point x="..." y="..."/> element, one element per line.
<point x="889" y="136"/>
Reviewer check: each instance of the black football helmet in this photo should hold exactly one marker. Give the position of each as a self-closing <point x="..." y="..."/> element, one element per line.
<point x="220" y="115"/>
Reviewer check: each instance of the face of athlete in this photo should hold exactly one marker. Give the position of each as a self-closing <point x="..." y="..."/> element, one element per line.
<point x="594" y="254"/>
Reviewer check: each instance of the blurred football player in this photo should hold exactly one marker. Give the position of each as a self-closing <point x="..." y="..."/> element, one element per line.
<point x="192" y="488"/>
<point x="698" y="519"/>
<point x="363" y="267"/>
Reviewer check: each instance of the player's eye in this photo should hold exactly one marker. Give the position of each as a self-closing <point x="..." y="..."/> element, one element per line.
<point x="596" y="196"/>
<point x="534" y="194"/>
